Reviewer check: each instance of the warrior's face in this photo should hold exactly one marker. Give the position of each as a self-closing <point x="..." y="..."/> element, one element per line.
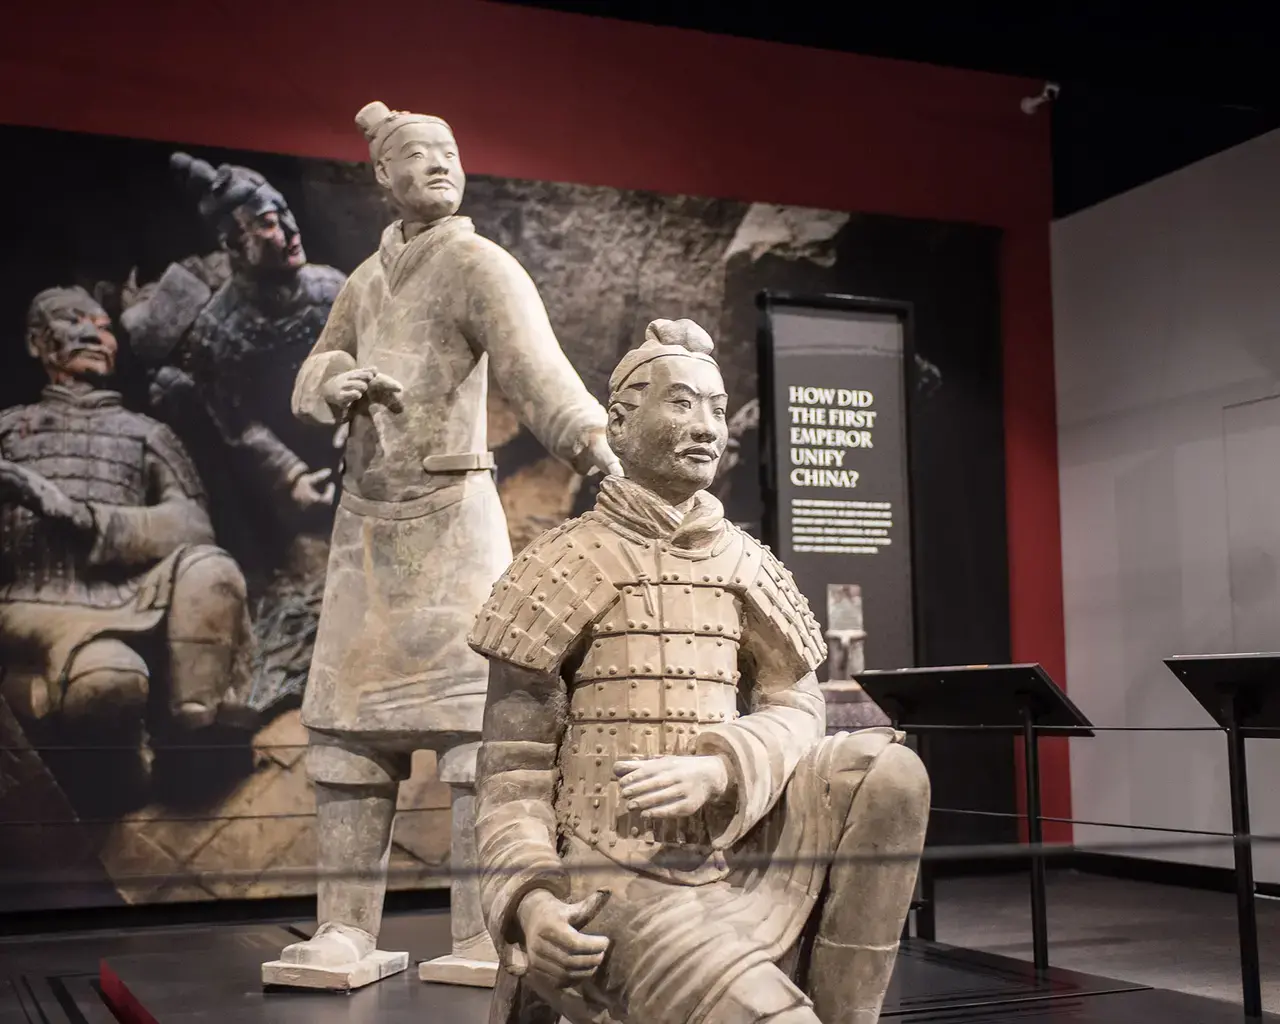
<point x="263" y="237"/>
<point x="671" y="439"/>
<point x="419" y="166"/>
<point x="71" y="336"/>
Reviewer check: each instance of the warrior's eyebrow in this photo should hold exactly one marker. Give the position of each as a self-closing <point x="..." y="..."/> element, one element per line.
<point x="678" y="387"/>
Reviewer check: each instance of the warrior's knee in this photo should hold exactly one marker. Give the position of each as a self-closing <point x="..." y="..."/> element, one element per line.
<point x="107" y="680"/>
<point x="209" y="573"/>
<point x="896" y="789"/>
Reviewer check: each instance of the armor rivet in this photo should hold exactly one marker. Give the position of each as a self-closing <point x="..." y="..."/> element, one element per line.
<point x="719" y="643"/>
<point x="506" y="650"/>
<point x="688" y="590"/>
<point x="613" y="729"/>
<point x="596" y="828"/>
<point x="669" y="685"/>
<point x="575" y="748"/>
<point x="528" y="657"/>
<point x="688" y="639"/>
<point x="706" y="625"/>
<point x="719" y="627"/>
<point x="568" y="544"/>
<point x="599" y="728"/>
<point x="568" y="789"/>
<point x="645" y="712"/>
<point x="644" y="625"/>
<point x="719" y="671"/>
<point x="631" y="623"/>
<point x="679" y="671"/>
<point x="719" y="579"/>
<point x="648" y="732"/>
<point x="634" y="684"/>
<point x="680" y="729"/>
<point x="613" y="670"/>
<point x="691" y="683"/>
<point x="706" y="579"/>
<point x="648" y="668"/>
<point x="635" y="749"/>
<point x="595" y="803"/>
<point x="599" y="761"/>
<point x="597" y="544"/>
<point x="613" y="713"/>
<point x="599" y="578"/>
<point x="647" y="545"/>
<point x="613" y="840"/>
<point x="719" y="593"/>
<point x="737" y="579"/>
<point x="632" y="668"/>
<point x="635" y="831"/>
<point x="626" y="590"/>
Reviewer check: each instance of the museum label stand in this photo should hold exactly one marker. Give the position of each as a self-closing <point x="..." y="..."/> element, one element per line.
<point x="1242" y="694"/>
<point x="1019" y="699"/>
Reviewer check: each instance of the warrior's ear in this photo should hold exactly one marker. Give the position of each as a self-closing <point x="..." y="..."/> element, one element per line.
<point x="617" y="416"/>
<point x="33" y="342"/>
<point x="380" y="174"/>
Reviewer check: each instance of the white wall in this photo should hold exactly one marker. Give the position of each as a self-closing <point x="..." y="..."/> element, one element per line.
<point x="1166" y="318"/>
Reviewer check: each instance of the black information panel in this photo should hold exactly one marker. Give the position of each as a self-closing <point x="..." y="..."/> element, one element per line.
<point x="839" y="514"/>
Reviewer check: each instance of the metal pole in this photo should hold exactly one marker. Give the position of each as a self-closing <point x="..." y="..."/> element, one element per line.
<point x="1246" y="908"/>
<point x="1039" y="907"/>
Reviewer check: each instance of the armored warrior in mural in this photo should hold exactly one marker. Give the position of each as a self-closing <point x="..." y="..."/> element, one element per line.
<point x="113" y="600"/>
<point x="419" y="535"/>
<point x="225" y="349"/>
<point x="665" y="833"/>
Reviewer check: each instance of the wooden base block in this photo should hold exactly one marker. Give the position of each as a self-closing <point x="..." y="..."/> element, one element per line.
<point x="458" y="970"/>
<point x="341" y="978"/>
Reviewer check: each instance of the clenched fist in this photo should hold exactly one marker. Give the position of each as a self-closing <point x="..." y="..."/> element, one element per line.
<point x="343" y="390"/>
<point x="554" y="946"/>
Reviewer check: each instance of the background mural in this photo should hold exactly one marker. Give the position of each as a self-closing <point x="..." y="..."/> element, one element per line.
<point x="226" y="811"/>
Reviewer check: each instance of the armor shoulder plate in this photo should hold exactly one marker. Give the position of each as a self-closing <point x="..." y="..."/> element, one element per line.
<point x="548" y="596"/>
<point x="773" y="594"/>
<point x="165" y="446"/>
<point x="321" y="284"/>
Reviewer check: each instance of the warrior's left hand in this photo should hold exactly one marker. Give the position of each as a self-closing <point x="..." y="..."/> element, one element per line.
<point x="313" y="488"/>
<point x="596" y="456"/>
<point x="672" y="786"/>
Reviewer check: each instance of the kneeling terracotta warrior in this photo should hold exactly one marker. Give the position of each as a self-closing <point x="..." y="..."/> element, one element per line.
<point x="654" y="729"/>
<point x="110" y="586"/>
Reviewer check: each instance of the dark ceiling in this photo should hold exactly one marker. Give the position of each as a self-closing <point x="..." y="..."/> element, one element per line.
<point x="1146" y="89"/>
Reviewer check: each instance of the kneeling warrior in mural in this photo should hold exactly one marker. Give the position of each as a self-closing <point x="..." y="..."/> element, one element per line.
<point x="658" y="809"/>
<point x="224" y="340"/>
<point x="419" y="536"/>
<point x="110" y="586"/>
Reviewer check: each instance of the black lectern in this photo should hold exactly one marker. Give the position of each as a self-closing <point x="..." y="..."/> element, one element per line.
<point x="1242" y="693"/>
<point x="981" y="697"/>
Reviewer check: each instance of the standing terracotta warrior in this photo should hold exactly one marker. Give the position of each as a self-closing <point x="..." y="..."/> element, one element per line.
<point x="110" y="586"/>
<point x="419" y="536"/>
<point x="659" y="813"/>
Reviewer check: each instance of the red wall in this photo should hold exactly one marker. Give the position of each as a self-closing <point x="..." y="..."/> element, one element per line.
<point x="536" y="94"/>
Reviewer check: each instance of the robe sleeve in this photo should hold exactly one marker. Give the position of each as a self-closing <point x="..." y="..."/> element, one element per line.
<point x="142" y="535"/>
<point x="516" y="772"/>
<point x="333" y="353"/>
<point x="788" y="713"/>
<point x="505" y="317"/>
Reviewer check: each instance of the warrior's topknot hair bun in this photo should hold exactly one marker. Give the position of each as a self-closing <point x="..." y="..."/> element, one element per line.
<point x="370" y="116"/>
<point x="680" y="333"/>
<point x="197" y="176"/>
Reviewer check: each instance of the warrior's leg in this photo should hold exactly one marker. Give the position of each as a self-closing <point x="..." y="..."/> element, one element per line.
<point x="870" y="886"/>
<point x="763" y="995"/>
<point x="107" y="684"/>
<point x="471" y="939"/>
<point x="209" y="635"/>
<point x="355" y="808"/>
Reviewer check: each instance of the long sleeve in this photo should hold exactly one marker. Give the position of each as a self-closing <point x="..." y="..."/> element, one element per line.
<point x="782" y="646"/>
<point x="142" y="535"/>
<point x="333" y="353"/>
<point x="506" y="318"/>
<point x="515" y="793"/>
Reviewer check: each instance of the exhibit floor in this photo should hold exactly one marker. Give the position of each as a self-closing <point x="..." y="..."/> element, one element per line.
<point x="1119" y="936"/>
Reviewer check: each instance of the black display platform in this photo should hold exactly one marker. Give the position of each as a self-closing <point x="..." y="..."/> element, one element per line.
<point x="931" y="983"/>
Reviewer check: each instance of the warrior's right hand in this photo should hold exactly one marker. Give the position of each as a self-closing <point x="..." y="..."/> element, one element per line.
<point x="555" y="947"/>
<point x="343" y="390"/>
<point x="22" y="486"/>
